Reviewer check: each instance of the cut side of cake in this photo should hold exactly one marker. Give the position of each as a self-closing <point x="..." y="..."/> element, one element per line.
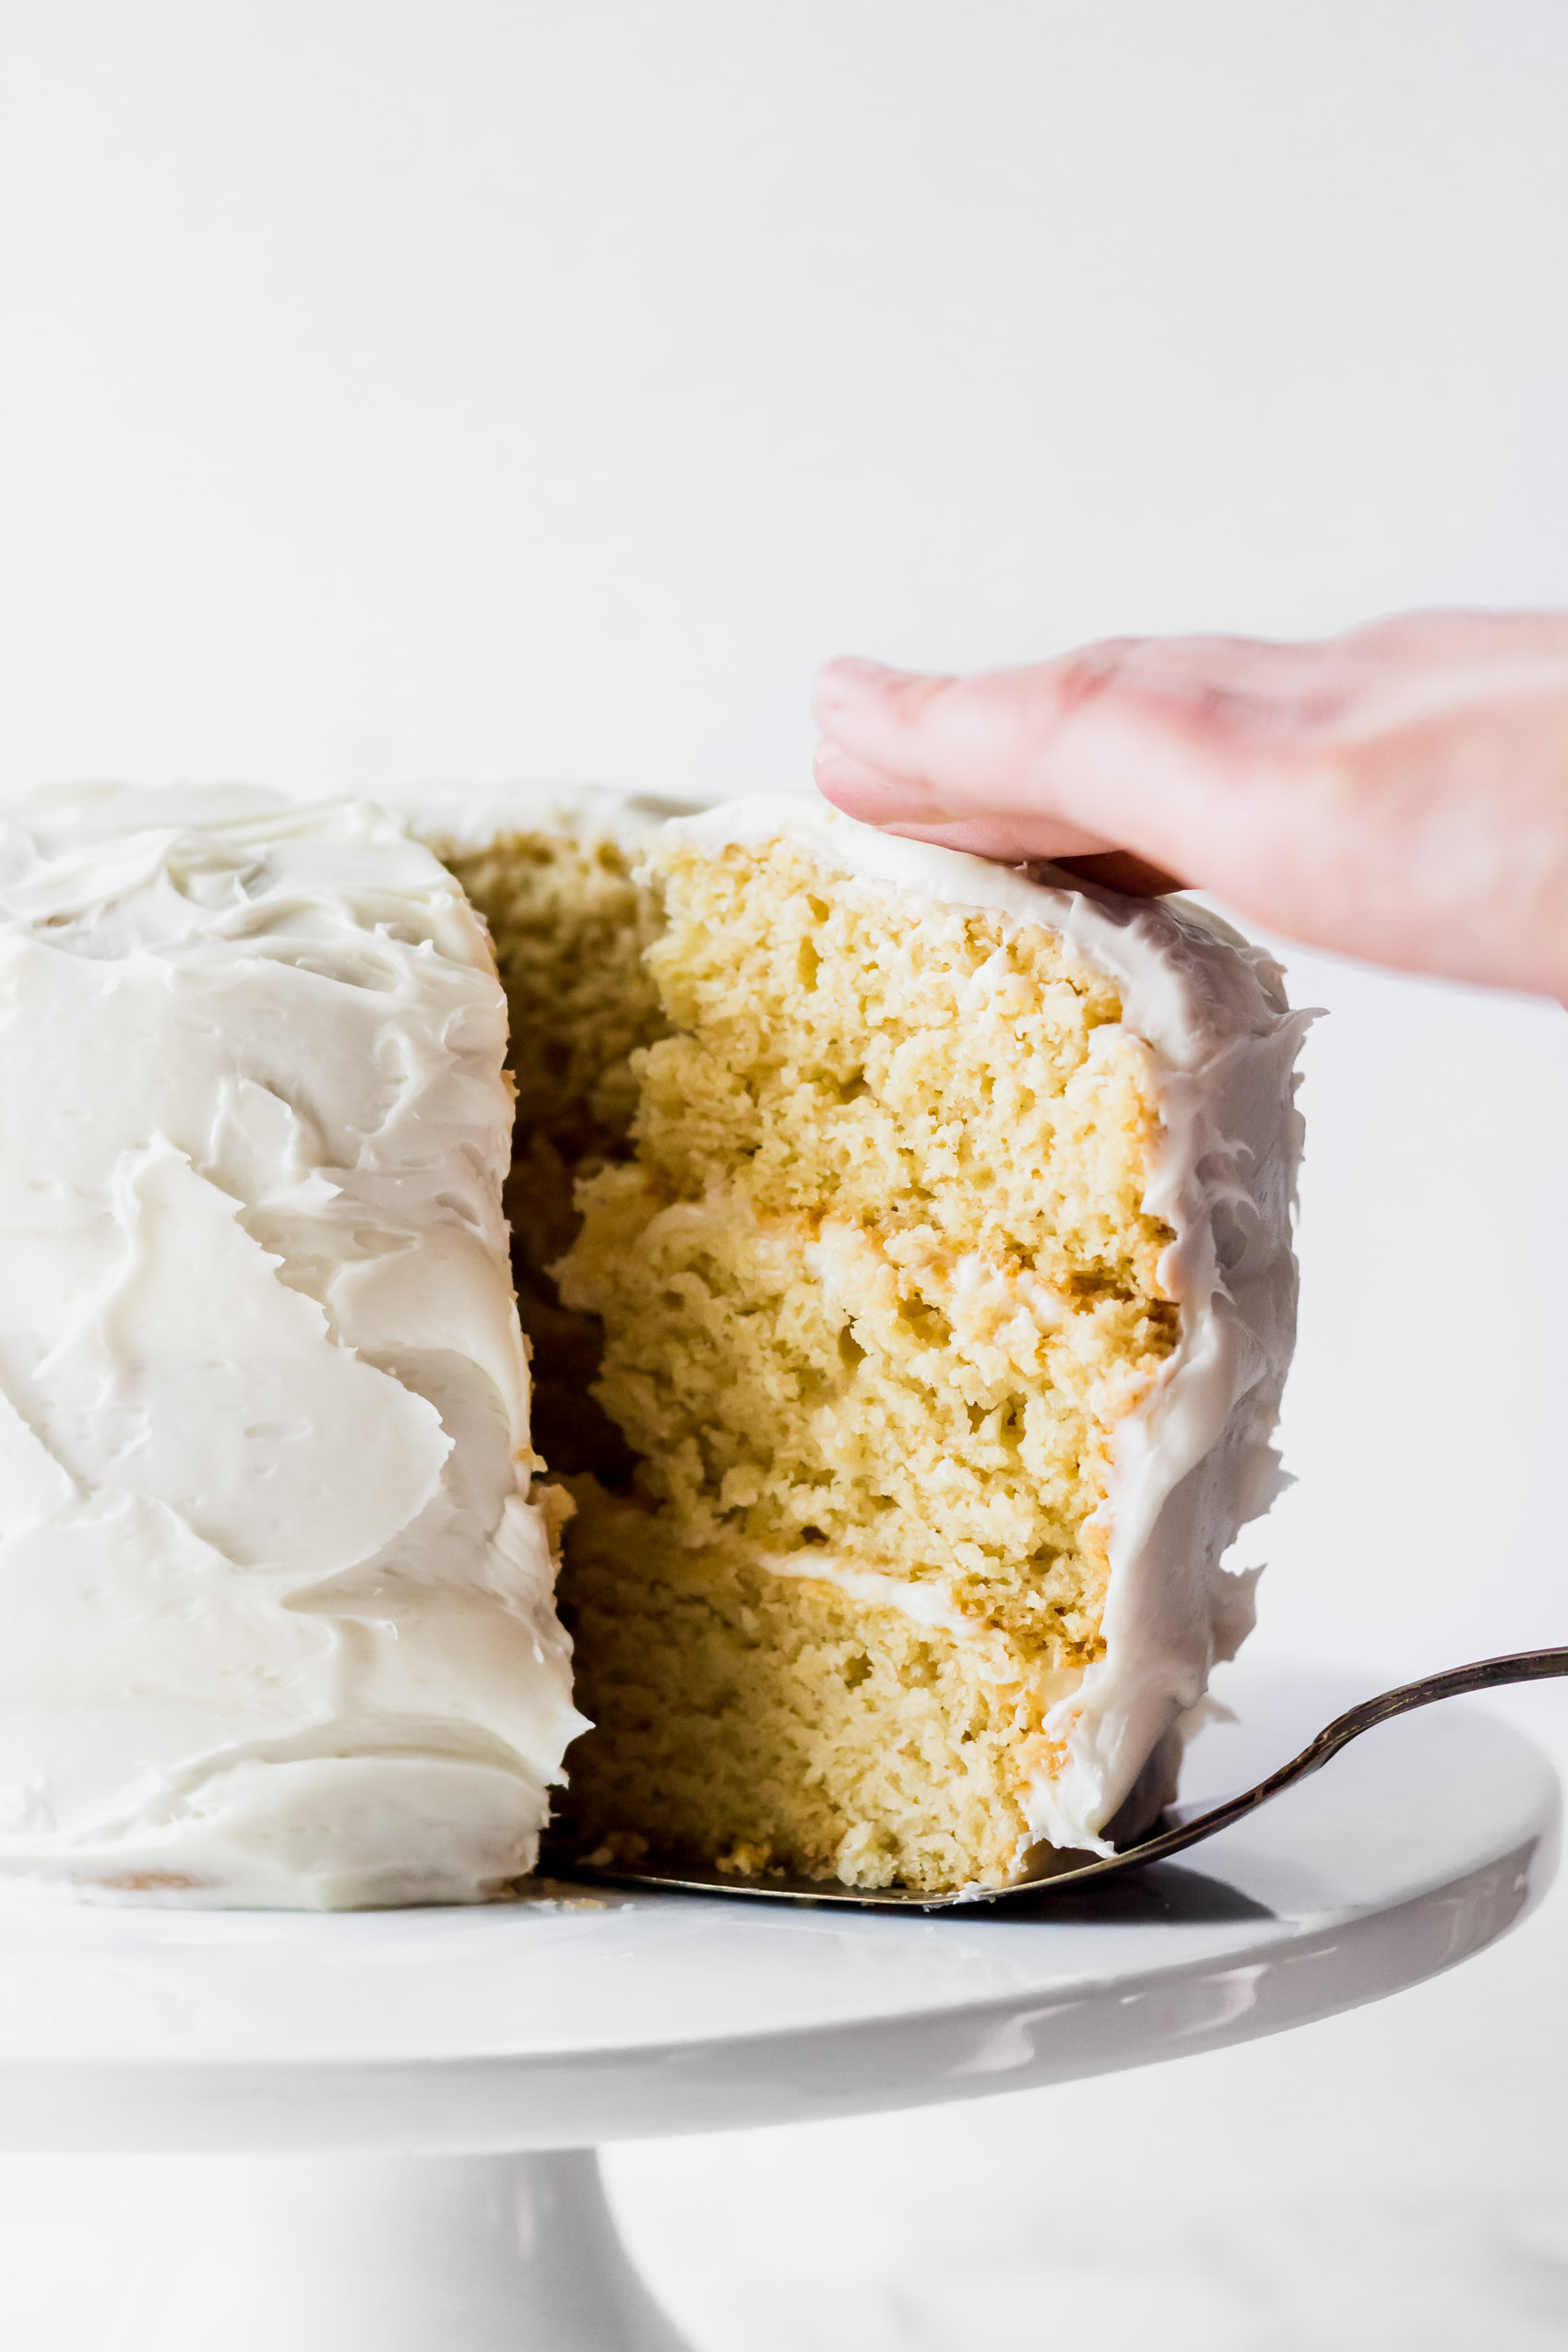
<point x="904" y="1245"/>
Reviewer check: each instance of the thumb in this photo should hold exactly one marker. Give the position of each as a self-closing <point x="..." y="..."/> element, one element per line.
<point x="1001" y="760"/>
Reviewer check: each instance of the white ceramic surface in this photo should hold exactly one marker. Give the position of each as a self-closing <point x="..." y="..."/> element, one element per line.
<point x="599" y="2015"/>
<point x="404" y="2055"/>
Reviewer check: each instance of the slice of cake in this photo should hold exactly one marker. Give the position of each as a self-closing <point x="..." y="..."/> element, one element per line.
<point x="918" y="1234"/>
<point x="275" y="1621"/>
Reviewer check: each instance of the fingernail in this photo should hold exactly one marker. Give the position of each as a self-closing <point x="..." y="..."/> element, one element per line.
<point x="867" y="792"/>
<point x="851" y="675"/>
<point x="831" y="765"/>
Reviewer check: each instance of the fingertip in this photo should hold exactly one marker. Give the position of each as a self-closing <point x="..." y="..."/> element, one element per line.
<point x="841" y="777"/>
<point x="853" y="672"/>
<point x="867" y="792"/>
<point x="848" y="681"/>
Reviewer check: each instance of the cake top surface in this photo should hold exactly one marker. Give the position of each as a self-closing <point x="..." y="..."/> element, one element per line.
<point x="111" y="871"/>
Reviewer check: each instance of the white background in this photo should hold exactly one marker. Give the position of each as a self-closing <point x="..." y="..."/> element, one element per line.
<point x="477" y="389"/>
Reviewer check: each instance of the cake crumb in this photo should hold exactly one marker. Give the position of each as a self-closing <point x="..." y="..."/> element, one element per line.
<point x="831" y="1237"/>
<point x="750" y="1862"/>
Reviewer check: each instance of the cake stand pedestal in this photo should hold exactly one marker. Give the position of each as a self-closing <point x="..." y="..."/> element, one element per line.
<point x="397" y="2112"/>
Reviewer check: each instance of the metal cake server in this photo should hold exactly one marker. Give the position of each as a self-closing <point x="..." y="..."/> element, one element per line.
<point x="1180" y="1828"/>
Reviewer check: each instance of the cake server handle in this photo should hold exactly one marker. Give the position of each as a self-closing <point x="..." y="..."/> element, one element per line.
<point x="1189" y="1824"/>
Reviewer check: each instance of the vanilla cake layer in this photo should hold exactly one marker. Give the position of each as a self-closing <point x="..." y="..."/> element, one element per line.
<point x="935" y="1244"/>
<point x="276" y="1602"/>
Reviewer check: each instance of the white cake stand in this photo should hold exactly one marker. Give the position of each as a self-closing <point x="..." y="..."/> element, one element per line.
<point x="407" y="2102"/>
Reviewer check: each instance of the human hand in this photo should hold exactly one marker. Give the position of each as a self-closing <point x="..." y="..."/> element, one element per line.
<point x="1399" y="793"/>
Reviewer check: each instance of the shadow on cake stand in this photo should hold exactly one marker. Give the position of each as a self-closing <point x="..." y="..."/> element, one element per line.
<point x="402" y="2107"/>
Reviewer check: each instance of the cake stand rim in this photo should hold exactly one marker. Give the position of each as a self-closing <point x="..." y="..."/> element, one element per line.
<point x="452" y="2103"/>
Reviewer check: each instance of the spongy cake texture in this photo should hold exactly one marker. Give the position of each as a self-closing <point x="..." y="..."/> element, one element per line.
<point x="861" y="1180"/>
<point x="570" y="929"/>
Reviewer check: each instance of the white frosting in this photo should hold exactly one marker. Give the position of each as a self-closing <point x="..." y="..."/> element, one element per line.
<point x="455" y="820"/>
<point x="930" y="1602"/>
<point x="277" y="1617"/>
<point x="1192" y="1463"/>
